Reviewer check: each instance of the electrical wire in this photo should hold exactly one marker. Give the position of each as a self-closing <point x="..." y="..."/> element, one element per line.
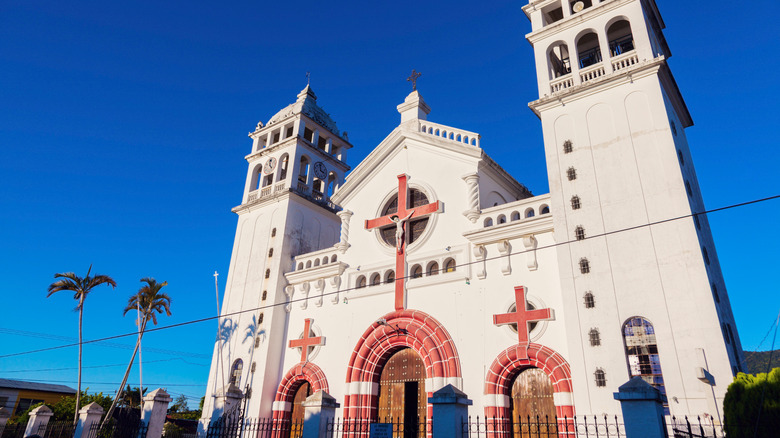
<point x="288" y="302"/>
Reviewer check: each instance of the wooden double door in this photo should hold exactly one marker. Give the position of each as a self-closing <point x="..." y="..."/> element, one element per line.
<point x="533" y="409"/>
<point x="402" y="397"/>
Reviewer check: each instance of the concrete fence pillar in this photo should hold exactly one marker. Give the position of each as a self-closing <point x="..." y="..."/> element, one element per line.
<point x="450" y="410"/>
<point x="155" y="410"/>
<point x="39" y="419"/>
<point x="88" y="415"/>
<point x="5" y="414"/>
<point x="319" y="410"/>
<point x="643" y="409"/>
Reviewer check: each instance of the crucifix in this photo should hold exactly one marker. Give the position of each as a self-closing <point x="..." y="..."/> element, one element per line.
<point x="401" y="220"/>
<point x="413" y="78"/>
<point x="307" y="341"/>
<point x="523" y="316"/>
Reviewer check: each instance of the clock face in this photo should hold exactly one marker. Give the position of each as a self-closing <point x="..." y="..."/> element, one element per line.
<point x="319" y="170"/>
<point x="270" y="165"/>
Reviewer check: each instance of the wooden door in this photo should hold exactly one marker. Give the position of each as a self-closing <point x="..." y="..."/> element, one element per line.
<point x="298" y="410"/>
<point x="402" y="396"/>
<point x="533" y="409"/>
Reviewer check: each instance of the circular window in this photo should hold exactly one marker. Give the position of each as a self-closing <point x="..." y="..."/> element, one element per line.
<point x="416" y="226"/>
<point x="531" y="326"/>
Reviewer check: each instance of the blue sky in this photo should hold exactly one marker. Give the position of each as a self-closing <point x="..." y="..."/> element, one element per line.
<point x="124" y="130"/>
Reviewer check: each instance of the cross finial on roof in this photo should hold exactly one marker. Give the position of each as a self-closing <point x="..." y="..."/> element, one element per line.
<point x="413" y="79"/>
<point x="308" y="78"/>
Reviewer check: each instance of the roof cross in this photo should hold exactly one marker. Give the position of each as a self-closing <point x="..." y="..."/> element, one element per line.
<point x="522" y="317"/>
<point x="401" y="220"/>
<point x="307" y="341"/>
<point x="413" y="79"/>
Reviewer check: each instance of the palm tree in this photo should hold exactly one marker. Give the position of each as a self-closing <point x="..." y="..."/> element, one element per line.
<point x="81" y="287"/>
<point x="150" y="301"/>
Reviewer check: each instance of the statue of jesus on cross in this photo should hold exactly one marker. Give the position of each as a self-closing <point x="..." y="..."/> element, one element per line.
<point x="400" y="231"/>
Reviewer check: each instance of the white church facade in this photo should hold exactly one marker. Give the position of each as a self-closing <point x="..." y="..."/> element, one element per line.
<point x="427" y="264"/>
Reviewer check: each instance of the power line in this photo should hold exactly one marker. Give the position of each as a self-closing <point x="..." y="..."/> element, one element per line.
<point x="100" y="366"/>
<point x="553" y="245"/>
<point x="112" y="383"/>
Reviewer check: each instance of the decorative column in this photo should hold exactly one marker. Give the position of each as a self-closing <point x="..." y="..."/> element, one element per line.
<point x="227" y="400"/>
<point x="472" y="186"/>
<point x="643" y="410"/>
<point x="155" y="409"/>
<point x="320" y="409"/>
<point x="89" y="415"/>
<point x="450" y="410"/>
<point x="343" y="244"/>
<point x="39" y="418"/>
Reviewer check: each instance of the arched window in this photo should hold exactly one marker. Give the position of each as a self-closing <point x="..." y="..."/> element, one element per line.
<point x="361" y="282"/>
<point x="588" y="50"/>
<point x="559" y="61"/>
<point x="283" y="165"/>
<point x="594" y="337"/>
<point x="488" y="222"/>
<point x="390" y="276"/>
<point x="642" y="352"/>
<point x="265" y="295"/>
<point x="260" y="318"/>
<point x="515" y="216"/>
<point x="620" y="38"/>
<point x="575" y="202"/>
<point x="571" y="174"/>
<point x="319" y="185"/>
<point x="300" y="266"/>
<point x="590" y="302"/>
<point x="449" y="265"/>
<point x="416" y="271"/>
<point x="303" y="170"/>
<point x="273" y="232"/>
<point x="375" y="279"/>
<point x="529" y="213"/>
<point x="584" y="266"/>
<point x="316" y="262"/>
<point x="271" y="252"/>
<point x="579" y="233"/>
<point x="267" y="273"/>
<point x="501" y="219"/>
<point x="333" y="258"/>
<point x="544" y="210"/>
<point x="567" y="147"/>
<point x="433" y="268"/>
<point x="235" y="372"/>
<point x="308" y="264"/>
<point x="600" y="377"/>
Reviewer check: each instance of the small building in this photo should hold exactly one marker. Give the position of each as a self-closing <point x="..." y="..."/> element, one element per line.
<point x="18" y="395"/>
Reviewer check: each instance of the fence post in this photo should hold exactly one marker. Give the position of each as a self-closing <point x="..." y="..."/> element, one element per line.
<point x="450" y="408"/>
<point x="643" y="410"/>
<point x="39" y="418"/>
<point x="320" y="409"/>
<point x="155" y="409"/>
<point x="88" y="415"/>
<point x="5" y="414"/>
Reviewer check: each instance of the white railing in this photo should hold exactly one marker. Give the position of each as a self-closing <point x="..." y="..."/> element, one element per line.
<point x="521" y="210"/>
<point x="625" y="60"/>
<point x="561" y="83"/>
<point x="266" y="191"/>
<point x="449" y="133"/>
<point x="592" y="73"/>
<point x="314" y="259"/>
<point x="303" y="188"/>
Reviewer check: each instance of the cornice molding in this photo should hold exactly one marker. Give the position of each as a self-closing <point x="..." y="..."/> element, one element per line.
<point x="511" y="230"/>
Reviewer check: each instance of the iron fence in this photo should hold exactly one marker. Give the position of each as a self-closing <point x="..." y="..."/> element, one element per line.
<point x="254" y="428"/>
<point x="57" y="429"/>
<point x="13" y="430"/>
<point x="115" y="429"/>
<point x="547" y="427"/>
<point x="398" y="428"/>
<point x="690" y="428"/>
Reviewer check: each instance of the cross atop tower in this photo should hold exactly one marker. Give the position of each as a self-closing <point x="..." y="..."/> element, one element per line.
<point x="413" y="79"/>
<point x="307" y="341"/>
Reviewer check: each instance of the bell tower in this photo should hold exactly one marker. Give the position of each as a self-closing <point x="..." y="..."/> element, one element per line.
<point x="297" y="161"/>
<point x="619" y="168"/>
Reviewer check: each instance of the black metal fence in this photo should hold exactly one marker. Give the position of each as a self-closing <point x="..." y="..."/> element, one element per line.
<point x="398" y="428"/>
<point x="546" y="427"/>
<point x="694" y="428"/>
<point x="254" y="428"/>
<point x="115" y="429"/>
<point x="13" y="430"/>
<point x="57" y="429"/>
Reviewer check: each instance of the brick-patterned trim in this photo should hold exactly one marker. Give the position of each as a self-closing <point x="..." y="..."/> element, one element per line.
<point x="404" y="328"/>
<point x="508" y="364"/>
<point x="285" y="394"/>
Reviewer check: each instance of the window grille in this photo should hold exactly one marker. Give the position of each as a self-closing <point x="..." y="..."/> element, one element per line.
<point x="601" y="378"/>
<point x="273" y="232"/>
<point x="575" y="203"/>
<point x="715" y="293"/>
<point x="265" y="295"/>
<point x="688" y="188"/>
<point x="680" y="157"/>
<point x="579" y="233"/>
<point x="594" y="337"/>
<point x="571" y="173"/>
<point x="271" y="252"/>
<point x="590" y="301"/>
<point x="260" y="318"/>
<point x="567" y="147"/>
<point x="584" y="266"/>
<point x="705" y="255"/>
<point x="267" y="273"/>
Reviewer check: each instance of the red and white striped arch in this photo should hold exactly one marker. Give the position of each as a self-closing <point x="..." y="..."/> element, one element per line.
<point x="298" y="375"/>
<point x="404" y="329"/>
<point x="508" y="364"/>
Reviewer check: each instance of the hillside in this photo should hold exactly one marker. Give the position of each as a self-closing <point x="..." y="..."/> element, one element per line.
<point x="757" y="361"/>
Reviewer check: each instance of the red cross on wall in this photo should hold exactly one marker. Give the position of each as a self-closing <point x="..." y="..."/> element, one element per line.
<point x="402" y="218"/>
<point x="522" y="317"/>
<point x="306" y="341"/>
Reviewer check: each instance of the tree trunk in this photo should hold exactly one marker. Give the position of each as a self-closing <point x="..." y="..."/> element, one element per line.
<point x="124" y="379"/>
<point x="78" y="390"/>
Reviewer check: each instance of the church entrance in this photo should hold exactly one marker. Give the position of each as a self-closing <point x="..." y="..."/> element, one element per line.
<point x="532" y="404"/>
<point x="402" y="396"/>
<point x="298" y="410"/>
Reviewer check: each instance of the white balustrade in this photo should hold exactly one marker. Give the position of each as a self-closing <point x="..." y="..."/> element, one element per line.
<point x="522" y="210"/>
<point x="624" y="61"/>
<point x="591" y="73"/>
<point x="266" y="191"/>
<point x="449" y="133"/>
<point x="561" y="83"/>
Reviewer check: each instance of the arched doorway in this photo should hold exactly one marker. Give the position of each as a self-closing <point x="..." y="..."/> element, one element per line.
<point x="402" y="396"/>
<point x="531" y="404"/>
<point x="297" y="407"/>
